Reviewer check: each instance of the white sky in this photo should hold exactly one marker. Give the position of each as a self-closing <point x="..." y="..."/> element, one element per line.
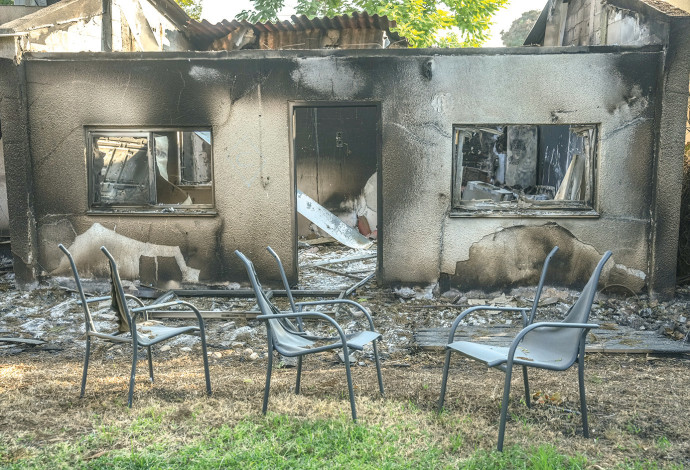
<point x="217" y="10"/>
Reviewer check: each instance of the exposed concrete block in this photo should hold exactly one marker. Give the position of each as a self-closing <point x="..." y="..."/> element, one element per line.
<point x="147" y="270"/>
<point x="49" y="236"/>
<point x="159" y="271"/>
<point x="168" y="270"/>
<point x="127" y="252"/>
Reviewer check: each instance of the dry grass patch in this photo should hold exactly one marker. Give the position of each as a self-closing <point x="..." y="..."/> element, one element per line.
<point x="638" y="409"/>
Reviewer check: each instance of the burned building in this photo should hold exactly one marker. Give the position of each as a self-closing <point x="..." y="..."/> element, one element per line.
<point x="639" y="23"/>
<point x="484" y="159"/>
<point x="97" y="25"/>
<point x="87" y="25"/>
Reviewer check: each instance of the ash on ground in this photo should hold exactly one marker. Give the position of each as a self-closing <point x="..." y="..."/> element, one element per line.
<point x="51" y="313"/>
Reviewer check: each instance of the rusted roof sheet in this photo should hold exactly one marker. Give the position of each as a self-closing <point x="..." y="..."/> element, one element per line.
<point x="204" y="33"/>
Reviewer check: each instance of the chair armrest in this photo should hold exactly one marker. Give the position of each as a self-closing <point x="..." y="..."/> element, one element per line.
<point x="534" y="326"/>
<point x="108" y="297"/>
<point x="523" y="311"/>
<point x="341" y="301"/>
<point x="135" y="298"/>
<point x="196" y="311"/>
<point x="275" y="316"/>
<point x="156" y="306"/>
<point x="95" y="299"/>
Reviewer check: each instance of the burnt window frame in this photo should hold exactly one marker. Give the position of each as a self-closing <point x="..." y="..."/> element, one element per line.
<point x="150" y="208"/>
<point x="521" y="207"/>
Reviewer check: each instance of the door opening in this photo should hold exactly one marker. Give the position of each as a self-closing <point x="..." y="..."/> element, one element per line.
<point x="336" y="150"/>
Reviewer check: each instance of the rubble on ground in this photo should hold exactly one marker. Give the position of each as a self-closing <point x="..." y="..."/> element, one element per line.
<point x="51" y="313"/>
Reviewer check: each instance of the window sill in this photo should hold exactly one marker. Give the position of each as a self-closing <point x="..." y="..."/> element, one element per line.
<point x="527" y="213"/>
<point x="162" y="212"/>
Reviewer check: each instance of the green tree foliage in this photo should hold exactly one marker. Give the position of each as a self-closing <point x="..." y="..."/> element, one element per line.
<point x="192" y="7"/>
<point x="425" y="23"/>
<point x="6" y="2"/>
<point x="519" y="30"/>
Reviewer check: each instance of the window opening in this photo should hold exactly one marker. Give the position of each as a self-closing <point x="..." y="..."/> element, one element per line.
<point x="151" y="169"/>
<point x="509" y="167"/>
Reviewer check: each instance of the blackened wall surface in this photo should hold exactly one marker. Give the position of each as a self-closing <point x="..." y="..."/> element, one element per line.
<point x="244" y="97"/>
<point x="16" y="147"/>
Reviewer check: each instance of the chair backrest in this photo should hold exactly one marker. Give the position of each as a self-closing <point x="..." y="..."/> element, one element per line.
<point x="579" y="312"/>
<point x="88" y="321"/>
<point x="280" y="335"/>
<point x="540" y="286"/>
<point x="564" y="343"/>
<point x="118" y="299"/>
<point x="283" y="276"/>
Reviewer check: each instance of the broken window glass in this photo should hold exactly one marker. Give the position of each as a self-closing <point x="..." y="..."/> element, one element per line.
<point x="508" y="167"/>
<point x="153" y="169"/>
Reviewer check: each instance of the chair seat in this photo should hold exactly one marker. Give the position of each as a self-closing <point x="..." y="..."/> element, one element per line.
<point x="528" y="354"/>
<point x="294" y="345"/>
<point x="360" y="339"/>
<point x="150" y="335"/>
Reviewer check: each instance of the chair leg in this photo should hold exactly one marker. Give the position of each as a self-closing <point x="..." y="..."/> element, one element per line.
<point x="150" y="356"/>
<point x="132" y="375"/>
<point x="378" y="367"/>
<point x="299" y="375"/>
<point x="204" y="353"/>
<point x="348" y="373"/>
<point x="268" y="380"/>
<point x="526" y="381"/>
<point x="87" y="353"/>
<point x="583" y="399"/>
<point x="504" y="408"/>
<point x="444" y="381"/>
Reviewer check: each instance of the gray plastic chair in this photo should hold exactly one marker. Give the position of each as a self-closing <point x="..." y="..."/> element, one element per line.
<point x="127" y="327"/>
<point x="526" y="320"/>
<point x="298" y="306"/>
<point x="291" y="341"/>
<point x="544" y="345"/>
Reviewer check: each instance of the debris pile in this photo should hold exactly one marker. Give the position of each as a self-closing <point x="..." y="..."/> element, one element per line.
<point x="49" y="318"/>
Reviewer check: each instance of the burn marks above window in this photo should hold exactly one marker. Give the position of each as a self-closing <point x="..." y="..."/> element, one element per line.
<point x="161" y="170"/>
<point x="520" y="168"/>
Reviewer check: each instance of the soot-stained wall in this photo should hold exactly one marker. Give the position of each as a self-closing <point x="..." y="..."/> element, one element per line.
<point x="244" y="97"/>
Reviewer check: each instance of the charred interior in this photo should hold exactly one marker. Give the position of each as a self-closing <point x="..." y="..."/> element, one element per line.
<point x="161" y="169"/>
<point x="504" y="167"/>
<point x="335" y="150"/>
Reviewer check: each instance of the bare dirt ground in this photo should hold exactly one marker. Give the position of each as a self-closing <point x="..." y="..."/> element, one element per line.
<point x="638" y="407"/>
<point x="637" y="404"/>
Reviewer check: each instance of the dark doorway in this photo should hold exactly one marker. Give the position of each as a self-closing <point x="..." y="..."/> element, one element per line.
<point x="336" y="149"/>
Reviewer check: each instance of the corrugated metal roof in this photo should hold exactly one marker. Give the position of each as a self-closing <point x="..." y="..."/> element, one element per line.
<point x="204" y="33"/>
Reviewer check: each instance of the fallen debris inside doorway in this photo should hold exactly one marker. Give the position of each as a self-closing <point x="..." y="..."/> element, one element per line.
<point x="329" y="223"/>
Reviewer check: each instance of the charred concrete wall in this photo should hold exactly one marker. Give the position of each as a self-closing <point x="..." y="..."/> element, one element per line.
<point x="12" y="12"/>
<point x="91" y="26"/>
<point x="592" y="22"/>
<point x="620" y="95"/>
<point x="138" y="26"/>
<point x="244" y="98"/>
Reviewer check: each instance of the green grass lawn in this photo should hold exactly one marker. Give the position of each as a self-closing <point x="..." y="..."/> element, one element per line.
<point x="638" y="417"/>
<point x="280" y="442"/>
